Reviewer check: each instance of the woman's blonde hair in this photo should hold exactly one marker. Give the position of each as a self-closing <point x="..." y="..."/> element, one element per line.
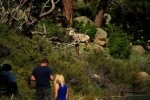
<point x="59" y="79"/>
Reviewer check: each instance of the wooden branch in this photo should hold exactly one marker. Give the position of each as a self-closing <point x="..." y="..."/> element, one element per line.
<point x="37" y="32"/>
<point x="17" y="18"/>
<point x="13" y="12"/>
<point x="1" y="3"/>
<point x="44" y="6"/>
<point x="44" y="28"/>
<point x="8" y="2"/>
<point x="23" y="2"/>
<point x="20" y="26"/>
<point x="57" y="1"/>
<point x="4" y="17"/>
<point x="42" y="14"/>
<point x="48" y="12"/>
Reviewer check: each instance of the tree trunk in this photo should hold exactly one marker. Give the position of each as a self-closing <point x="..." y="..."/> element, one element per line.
<point x="68" y="10"/>
<point x="100" y="12"/>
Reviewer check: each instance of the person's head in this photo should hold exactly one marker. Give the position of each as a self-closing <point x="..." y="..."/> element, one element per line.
<point x="59" y="79"/>
<point x="44" y="62"/>
<point x="6" y="67"/>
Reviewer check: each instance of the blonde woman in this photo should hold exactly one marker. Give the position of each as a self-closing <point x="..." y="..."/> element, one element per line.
<point x="61" y="89"/>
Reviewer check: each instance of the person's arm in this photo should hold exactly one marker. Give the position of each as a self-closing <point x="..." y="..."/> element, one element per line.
<point x="32" y="78"/>
<point x="51" y="77"/>
<point x="67" y="94"/>
<point x="56" y="87"/>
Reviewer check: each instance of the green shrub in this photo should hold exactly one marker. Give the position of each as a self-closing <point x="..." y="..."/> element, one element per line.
<point x="140" y="42"/>
<point x="119" y="44"/>
<point x="117" y="71"/>
<point x="72" y="69"/>
<point x="29" y="51"/>
<point x="4" y="31"/>
<point x="142" y="61"/>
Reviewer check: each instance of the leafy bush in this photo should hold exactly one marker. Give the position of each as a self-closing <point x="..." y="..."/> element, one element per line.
<point x="139" y="42"/>
<point x="118" y="72"/>
<point x="26" y="51"/>
<point x="72" y="68"/>
<point x="119" y="44"/>
<point x="4" y="31"/>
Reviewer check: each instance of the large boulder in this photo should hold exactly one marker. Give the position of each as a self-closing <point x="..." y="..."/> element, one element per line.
<point x="83" y="19"/>
<point x="142" y="76"/>
<point x="99" y="42"/>
<point x="138" y="49"/>
<point x="101" y="34"/>
<point x="98" y="48"/>
<point x="100" y="37"/>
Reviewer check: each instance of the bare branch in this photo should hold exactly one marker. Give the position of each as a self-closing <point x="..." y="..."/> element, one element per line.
<point x="41" y="33"/>
<point x="23" y="2"/>
<point x="37" y="32"/>
<point x="1" y="3"/>
<point x="44" y="28"/>
<point x="4" y="17"/>
<point x="13" y="16"/>
<point x="8" y="3"/>
<point x="3" y="13"/>
<point x="48" y="12"/>
<point x="20" y="26"/>
<point x="42" y="10"/>
<point x="57" y="1"/>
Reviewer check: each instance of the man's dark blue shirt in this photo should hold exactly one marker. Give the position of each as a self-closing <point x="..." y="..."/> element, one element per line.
<point x="42" y="77"/>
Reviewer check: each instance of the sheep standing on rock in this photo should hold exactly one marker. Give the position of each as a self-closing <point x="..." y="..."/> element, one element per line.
<point x="79" y="38"/>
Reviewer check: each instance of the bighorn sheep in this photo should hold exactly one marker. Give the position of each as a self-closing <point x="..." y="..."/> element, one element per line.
<point x="79" y="38"/>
